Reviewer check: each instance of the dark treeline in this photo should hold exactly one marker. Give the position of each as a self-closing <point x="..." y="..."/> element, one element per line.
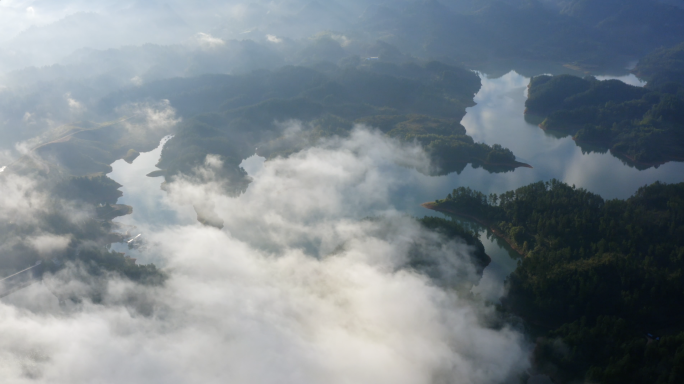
<point x="597" y="278"/>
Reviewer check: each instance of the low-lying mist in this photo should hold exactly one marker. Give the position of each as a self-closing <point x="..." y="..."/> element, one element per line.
<point x="309" y="281"/>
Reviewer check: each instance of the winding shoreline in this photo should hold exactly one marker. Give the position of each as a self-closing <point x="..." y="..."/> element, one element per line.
<point x="615" y="153"/>
<point x="433" y="206"/>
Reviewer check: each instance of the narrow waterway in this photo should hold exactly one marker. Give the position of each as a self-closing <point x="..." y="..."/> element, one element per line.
<point x="151" y="205"/>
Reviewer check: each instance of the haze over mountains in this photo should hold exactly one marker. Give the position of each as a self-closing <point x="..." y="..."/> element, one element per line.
<point x="43" y="33"/>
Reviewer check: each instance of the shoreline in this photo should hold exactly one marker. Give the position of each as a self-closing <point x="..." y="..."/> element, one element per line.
<point x="514" y="164"/>
<point x="433" y="207"/>
<point x="612" y="151"/>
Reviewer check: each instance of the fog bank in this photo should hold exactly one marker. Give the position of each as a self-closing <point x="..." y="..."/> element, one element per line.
<point x="294" y="288"/>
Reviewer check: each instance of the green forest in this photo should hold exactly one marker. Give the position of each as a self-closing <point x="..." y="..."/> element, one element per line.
<point x="601" y="281"/>
<point x="645" y="126"/>
<point x="663" y="68"/>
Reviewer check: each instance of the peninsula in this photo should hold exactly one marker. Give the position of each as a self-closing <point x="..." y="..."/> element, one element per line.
<point x="643" y="126"/>
<point x="595" y="272"/>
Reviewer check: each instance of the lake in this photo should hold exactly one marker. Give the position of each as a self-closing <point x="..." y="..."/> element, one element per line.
<point x="498" y="118"/>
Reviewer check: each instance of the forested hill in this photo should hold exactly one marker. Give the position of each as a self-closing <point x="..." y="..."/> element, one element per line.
<point x="230" y="116"/>
<point x="644" y="126"/>
<point x="598" y="275"/>
<point x="664" y="69"/>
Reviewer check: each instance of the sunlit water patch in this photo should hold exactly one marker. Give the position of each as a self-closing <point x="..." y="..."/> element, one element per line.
<point x="627" y="79"/>
<point x="151" y="206"/>
<point x="499" y="118"/>
<point x="253" y="164"/>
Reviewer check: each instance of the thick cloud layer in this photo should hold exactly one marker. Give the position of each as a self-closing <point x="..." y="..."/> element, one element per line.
<point x="296" y="288"/>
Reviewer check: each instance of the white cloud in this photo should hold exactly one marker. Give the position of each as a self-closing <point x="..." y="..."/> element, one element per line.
<point x="49" y="244"/>
<point x="213" y="161"/>
<point x="24" y="201"/>
<point x="28" y="118"/>
<point x="158" y="116"/>
<point x="274" y="39"/>
<point x="342" y="39"/>
<point x="20" y="200"/>
<point x="74" y="105"/>
<point x="297" y="288"/>
<point x="208" y="41"/>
